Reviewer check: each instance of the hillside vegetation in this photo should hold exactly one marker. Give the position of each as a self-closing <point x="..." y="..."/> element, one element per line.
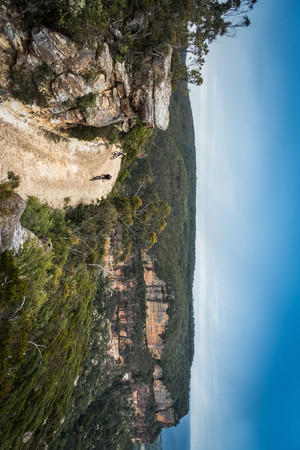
<point x="46" y="299"/>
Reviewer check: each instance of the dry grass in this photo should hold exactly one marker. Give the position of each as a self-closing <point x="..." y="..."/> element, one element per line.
<point x="52" y="170"/>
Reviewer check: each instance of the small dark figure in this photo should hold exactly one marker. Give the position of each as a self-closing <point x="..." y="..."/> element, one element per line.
<point x="106" y="176"/>
<point x="102" y="177"/>
<point x="115" y="155"/>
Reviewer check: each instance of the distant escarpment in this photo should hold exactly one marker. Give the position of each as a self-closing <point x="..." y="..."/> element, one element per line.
<point x="86" y="84"/>
<point x="136" y="340"/>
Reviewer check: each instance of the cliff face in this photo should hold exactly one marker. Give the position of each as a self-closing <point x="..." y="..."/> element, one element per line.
<point x="122" y="327"/>
<point x="122" y="341"/>
<point x="90" y="87"/>
<point x="157" y="317"/>
<point x="156" y="324"/>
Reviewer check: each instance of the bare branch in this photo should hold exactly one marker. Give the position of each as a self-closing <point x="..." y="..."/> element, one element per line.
<point x="101" y="267"/>
<point x="20" y="307"/>
<point x="5" y="281"/>
<point x="38" y="347"/>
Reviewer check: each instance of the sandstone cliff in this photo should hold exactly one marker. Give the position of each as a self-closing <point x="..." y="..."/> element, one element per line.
<point x="157" y="317"/>
<point x="88" y="86"/>
<point x="122" y="339"/>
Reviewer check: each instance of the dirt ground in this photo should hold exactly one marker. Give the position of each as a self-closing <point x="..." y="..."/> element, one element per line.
<point x="52" y="170"/>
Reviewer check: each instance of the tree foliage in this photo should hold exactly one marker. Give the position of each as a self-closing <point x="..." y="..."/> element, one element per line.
<point x="47" y="291"/>
<point x="187" y="25"/>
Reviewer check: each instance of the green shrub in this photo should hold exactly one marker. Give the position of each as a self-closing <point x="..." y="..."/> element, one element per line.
<point x="84" y="133"/>
<point x="7" y="188"/>
<point x="37" y="217"/>
<point x="87" y="102"/>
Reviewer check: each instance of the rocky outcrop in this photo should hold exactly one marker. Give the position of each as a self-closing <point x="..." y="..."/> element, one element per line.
<point x="105" y="62"/>
<point x="141" y="399"/>
<point x="16" y="38"/>
<point x="54" y="49"/>
<point x="121" y="338"/>
<point x="157" y="374"/>
<point x="122" y="326"/>
<point x="69" y="86"/>
<point x="156" y="324"/>
<point x="157" y="306"/>
<point x="165" y="412"/>
<point x="162" y="90"/>
<point x="11" y="233"/>
<point x="120" y="93"/>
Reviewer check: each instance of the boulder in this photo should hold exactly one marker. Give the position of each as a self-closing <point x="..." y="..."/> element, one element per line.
<point x="121" y="90"/>
<point x="116" y="98"/>
<point x="125" y="126"/>
<point x="99" y="84"/>
<point x="137" y="22"/>
<point x="10" y="228"/>
<point x="26" y="437"/>
<point x="52" y="48"/>
<point x="69" y="86"/>
<point x="32" y="60"/>
<point x="117" y="34"/>
<point x="16" y="38"/>
<point x="74" y="116"/>
<point x="105" y="62"/>
<point x="82" y="61"/>
<point x="146" y="110"/>
<point x="20" y="236"/>
<point x="59" y="53"/>
<point x="105" y="112"/>
<point x="122" y="76"/>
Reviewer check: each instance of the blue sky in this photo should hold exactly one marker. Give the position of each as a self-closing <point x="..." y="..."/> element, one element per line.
<point x="246" y="374"/>
<point x="178" y="438"/>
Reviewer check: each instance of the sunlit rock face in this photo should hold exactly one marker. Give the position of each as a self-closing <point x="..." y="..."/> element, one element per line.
<point x="53" y="49"/>
<point x="67" y="86"/>
<point x="157" y="318"/>
<point x="165" y="413"/>
<point x="121" y="339"/>
<point x="119" y="93"/>
<point x="162" y="90"/>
